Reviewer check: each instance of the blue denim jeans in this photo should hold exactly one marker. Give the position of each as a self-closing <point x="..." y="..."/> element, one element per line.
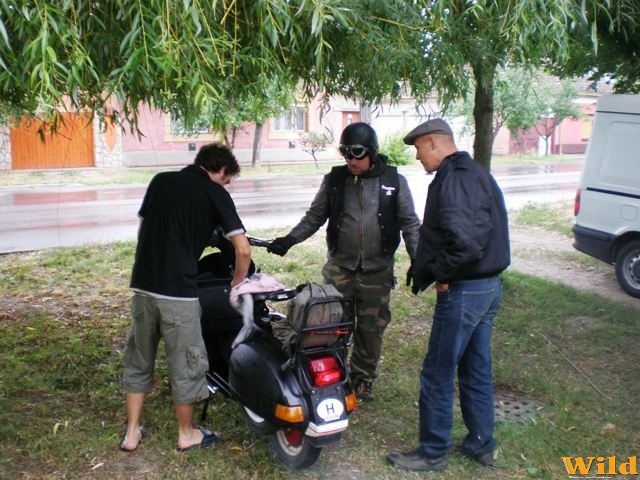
<point x="460" y="337"/>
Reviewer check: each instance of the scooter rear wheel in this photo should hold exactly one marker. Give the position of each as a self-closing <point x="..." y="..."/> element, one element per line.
<point x="256" y="423"/>
<point x="294" y="448"/>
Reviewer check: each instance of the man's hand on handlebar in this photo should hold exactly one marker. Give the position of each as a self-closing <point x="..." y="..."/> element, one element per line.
<point x="281" y="245"/>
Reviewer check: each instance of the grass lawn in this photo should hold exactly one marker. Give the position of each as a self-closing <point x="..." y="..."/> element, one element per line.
<point x="64" y="316"/>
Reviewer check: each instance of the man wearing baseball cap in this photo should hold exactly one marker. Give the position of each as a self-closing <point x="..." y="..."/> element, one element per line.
<point x="462" y="250"/>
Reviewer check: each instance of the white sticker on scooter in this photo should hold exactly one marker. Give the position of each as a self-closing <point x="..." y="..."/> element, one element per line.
<point x="330" y="409"/>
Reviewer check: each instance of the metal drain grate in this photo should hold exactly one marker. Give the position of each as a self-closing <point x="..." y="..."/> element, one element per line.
<point x="515" y="409"/>
<point x="511" y="407"/>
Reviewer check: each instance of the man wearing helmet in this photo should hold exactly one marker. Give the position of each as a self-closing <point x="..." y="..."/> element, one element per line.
<point x="368" y="206"/>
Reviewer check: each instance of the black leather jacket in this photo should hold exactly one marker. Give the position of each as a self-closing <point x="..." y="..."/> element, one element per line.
<point x="465" y="232"/>
<point x="354" y="238"/>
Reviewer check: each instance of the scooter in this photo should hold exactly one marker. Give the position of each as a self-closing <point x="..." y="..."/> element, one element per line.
<point x="298" y="395"/>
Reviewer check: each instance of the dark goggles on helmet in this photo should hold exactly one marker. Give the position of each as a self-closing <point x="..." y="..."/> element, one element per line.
<point x="353" y="151"/>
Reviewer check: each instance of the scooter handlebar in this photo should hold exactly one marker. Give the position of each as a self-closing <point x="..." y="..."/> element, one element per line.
<point x="258" y="242"/>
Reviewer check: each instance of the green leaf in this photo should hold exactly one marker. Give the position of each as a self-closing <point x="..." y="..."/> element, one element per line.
<point x="51" y="53"/>
<point x="3" y="32"/>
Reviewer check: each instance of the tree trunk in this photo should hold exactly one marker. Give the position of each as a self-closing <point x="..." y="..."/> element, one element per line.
<point x="483" y="113"/>
<point x="257" y="138"/>
<point x="546" y="145"/>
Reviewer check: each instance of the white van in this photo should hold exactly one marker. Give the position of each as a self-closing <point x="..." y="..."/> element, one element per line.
<point x="607" y="205"/>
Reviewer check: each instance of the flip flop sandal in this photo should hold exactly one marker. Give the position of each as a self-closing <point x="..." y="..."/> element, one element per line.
<point x="143" y="432"/>
<point x="208" y="438"/>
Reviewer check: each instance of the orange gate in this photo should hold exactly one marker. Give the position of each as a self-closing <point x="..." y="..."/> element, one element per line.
<point x="33" y="146"/>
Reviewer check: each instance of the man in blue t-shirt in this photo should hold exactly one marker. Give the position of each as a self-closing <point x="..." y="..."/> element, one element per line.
<point x="179" y="213"/>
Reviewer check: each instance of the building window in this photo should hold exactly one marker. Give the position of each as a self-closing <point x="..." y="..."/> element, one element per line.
<point x="178" y="129"/>
<point x="291" y="121"/>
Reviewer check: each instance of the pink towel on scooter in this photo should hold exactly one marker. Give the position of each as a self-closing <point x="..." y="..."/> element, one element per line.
<point x="241" y="299"/>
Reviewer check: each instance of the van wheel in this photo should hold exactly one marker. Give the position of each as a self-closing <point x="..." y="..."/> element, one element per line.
<point x="628" y="268"/>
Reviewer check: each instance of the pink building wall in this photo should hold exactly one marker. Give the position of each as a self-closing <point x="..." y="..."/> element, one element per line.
<point x="158" y="146"/>
<point x="572" y="135"/>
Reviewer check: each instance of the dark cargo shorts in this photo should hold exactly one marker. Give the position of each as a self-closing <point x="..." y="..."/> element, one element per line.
<point x="177" y="322"/>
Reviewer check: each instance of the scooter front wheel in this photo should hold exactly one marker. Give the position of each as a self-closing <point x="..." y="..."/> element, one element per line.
<point x="294" y="448"/>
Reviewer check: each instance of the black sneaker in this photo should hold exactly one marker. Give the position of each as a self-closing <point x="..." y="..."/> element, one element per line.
<point x="416" y="461"/>
<point x="485" y="459"/>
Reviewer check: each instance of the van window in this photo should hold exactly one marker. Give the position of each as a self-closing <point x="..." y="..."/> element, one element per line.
<point x="623" y="142"/>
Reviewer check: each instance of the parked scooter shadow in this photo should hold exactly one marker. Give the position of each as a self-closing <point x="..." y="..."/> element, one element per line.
<point x="295" y="393"/>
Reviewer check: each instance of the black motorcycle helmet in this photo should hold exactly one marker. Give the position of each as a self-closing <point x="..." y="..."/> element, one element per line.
<point x="360" y="133"/>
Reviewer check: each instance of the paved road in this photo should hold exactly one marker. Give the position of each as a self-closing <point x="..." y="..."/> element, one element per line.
<point x="33" y="218"/>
